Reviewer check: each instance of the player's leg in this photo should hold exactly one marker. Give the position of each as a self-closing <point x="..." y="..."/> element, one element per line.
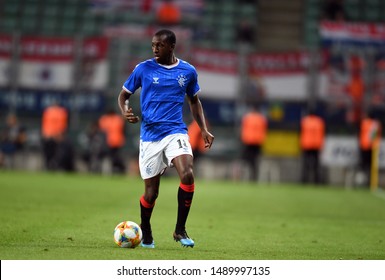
<point x="151" y="166"/>
<point x="184" y="167"/>
<point x="178" y="153"/>
<point x="147" y="203"/>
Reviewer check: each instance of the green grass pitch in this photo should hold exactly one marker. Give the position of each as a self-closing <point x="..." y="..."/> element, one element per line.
<point x="53" y="216"/>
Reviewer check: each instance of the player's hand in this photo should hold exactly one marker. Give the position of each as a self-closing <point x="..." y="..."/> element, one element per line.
<point x="129" y="116"/>
<point x="208" y="138"/>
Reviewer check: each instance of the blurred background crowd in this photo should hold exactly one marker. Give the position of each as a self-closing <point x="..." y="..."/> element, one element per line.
<point x="312" y="72"/>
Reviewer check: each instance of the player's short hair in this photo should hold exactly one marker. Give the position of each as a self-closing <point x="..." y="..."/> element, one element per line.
<point x="170" y="36"/>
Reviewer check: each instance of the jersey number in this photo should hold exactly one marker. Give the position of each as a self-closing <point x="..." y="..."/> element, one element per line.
<point x="182" y="143"/>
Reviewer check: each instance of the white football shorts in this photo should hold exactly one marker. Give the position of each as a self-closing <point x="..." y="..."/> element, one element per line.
<point x="155" y="157"/>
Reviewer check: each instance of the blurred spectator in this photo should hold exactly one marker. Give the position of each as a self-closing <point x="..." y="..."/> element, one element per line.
<point x="356" y="88"/>
<point x="370" y="135"/>
<point x="255" y="92"/>
<point x="54" y="128"/>
<point x="253" y="133"/>
<point x="95" y="148"/>
<point x="312" y="137"/>
<point x="12" y="141"/>
<point x="112" y="124"/>
<point x="65" y="154"/>
<point x="334" y="10"/>
<point x="196" y="141"/>
<point x="245" y="32"/>
<point x="168" y="13"/>
<point x="146" y="6"/>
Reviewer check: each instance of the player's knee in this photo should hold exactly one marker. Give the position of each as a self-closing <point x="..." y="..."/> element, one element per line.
<point x="187" y="176"/>
<point x="151" y="197"/>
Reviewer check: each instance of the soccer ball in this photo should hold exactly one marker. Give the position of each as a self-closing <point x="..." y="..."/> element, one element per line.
<point x="127" y="234"/>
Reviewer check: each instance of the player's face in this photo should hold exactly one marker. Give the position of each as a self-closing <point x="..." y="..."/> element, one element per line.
<point x="163" y="51"/>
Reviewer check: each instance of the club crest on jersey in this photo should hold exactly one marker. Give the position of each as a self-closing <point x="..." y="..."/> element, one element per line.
<point x="181" y="80"/>
<point x="155" y="80"/>
<point x="150" y="168"/>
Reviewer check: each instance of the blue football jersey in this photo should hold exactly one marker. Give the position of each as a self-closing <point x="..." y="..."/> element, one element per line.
<point x="162" y="96"/>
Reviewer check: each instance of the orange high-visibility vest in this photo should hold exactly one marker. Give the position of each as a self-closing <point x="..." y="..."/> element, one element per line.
<point x="54" y="121"/>
<point x="195" y="136"/>
<point x="356" y="89"/>
<point x="169" y="13"/>
<point x="312" y="133"/>
<point x="370" y="131"/>
<point x="113" y="127"/>
<point x="254" y="129"/>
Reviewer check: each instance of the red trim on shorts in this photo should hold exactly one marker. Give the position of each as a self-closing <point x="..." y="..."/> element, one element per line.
<point x="145" y="203"/>
<point x="187" y="188"/>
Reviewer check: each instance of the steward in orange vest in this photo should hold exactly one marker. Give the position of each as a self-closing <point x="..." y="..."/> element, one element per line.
<point x="54" y="126"/>
<point x="54" y="121"/>
<point x="312" y="137"/>
<point x="112" y="125"/>
<point x="253" y="133"/>
<point x="370" y="135"/>
<point x="196" y="141"/>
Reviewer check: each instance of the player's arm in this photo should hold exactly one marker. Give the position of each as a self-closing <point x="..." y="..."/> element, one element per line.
<point x="123" y="102"/>
<point x="197" y="112"/>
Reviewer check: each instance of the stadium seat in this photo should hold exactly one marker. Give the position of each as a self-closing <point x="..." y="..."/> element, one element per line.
<point x="28" y="25"/>
<point x="51" y="11"/>
<point x="354" y="14"/>
<point x="372" y="14"/>
<point x="351" y="2"/>
<point x="227" y="23"/>
<point x="9" y="23"/>
<point x="11" y="7"/>
<point x="210" y="8"/>
<point x="30" y="10"/>
<point x="228" y="8"/>
<point x="247" y="11"/>
<point x="70" y="12"/>
<point x="68" y="27"/>
<point x="49" y="25"/>
<point x="312" y="12"/>
<point x="373" y="3"/>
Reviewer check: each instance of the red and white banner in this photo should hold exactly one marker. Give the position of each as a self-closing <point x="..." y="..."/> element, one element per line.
<point x="352" y="31"/>
<point x="49" y="62"/>
<point x="5" y="60"/>
<point x="215" y="61"/>
<point x="285" y="63"/>
<point x="282" y="75"/>
<point x="187" y="7"/>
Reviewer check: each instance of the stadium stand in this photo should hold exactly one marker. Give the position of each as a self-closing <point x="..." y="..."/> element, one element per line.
<point x="355" y="11"/>
<point x="213" y="27"/>
<point x="273" y="16"/>
<point x="311" y="17"/>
